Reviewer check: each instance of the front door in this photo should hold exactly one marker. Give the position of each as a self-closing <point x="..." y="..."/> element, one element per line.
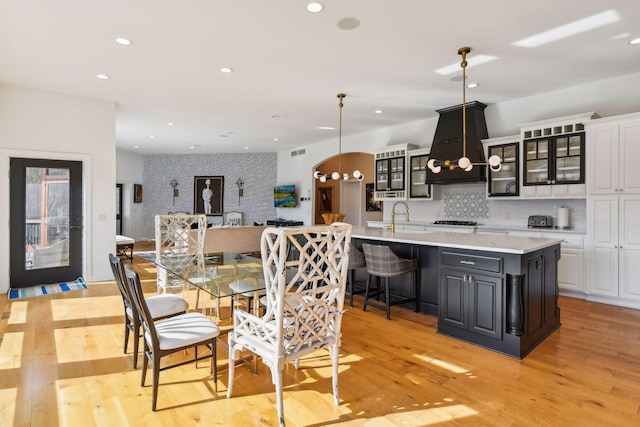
<point x="45" y="221"/>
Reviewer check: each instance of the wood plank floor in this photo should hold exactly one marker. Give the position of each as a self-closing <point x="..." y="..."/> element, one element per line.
<point x="61" y="364"/>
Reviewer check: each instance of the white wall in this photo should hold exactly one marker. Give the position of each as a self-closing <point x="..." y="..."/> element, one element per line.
<point x="129" y="171"/>
<point x="608" y="97"/>
<point x="41" y="124"/>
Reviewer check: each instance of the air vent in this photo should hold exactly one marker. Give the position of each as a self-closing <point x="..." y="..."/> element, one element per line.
<point x="297" y="152"/>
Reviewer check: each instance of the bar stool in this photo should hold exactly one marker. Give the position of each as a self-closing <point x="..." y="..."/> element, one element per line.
<point x="382" y="262"/>
<point x="356" y="261"/>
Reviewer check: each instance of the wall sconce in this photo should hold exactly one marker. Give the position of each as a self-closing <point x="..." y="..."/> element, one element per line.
<point x="174" y="184"/>
<point x="240" y="184"/>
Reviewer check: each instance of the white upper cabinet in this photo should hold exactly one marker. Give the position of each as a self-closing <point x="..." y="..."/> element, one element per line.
<point x="613" y="155"/>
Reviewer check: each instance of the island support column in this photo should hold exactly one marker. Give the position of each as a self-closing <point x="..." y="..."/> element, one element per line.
<point x="515" y="313"/>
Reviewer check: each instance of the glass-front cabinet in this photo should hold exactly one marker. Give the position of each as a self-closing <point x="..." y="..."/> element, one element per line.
<point x="390" y="174"/>
<point x="554" y="160"/>
<point x="390" y="171"/>
<point x="553" y="157"/>
<point x="419" y="189"/>
<point x="506" y="181"/>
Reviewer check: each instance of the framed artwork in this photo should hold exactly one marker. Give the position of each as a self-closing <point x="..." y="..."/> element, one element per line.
<point x="324" y="199"/>
<point x="137" y="193"/>
<point x="372" y="205"/>
<point x="208" y="192"/>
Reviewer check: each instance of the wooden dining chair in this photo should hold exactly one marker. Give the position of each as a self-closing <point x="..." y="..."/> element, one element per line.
<point x="160" y="306"/>
<point x="170" y="336"/>
<point x="304" y="298"/>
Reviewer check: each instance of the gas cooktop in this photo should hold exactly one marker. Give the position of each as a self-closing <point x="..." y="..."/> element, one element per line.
<point x="454" y="222"/>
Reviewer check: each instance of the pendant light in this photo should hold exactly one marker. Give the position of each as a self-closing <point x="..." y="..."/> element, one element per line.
<point x="338" y="174"/>
<point x="495" y="162"/>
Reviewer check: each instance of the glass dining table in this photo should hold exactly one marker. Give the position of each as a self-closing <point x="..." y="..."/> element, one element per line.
<point x="223" y="276"/>
<point x="220" y="275"/>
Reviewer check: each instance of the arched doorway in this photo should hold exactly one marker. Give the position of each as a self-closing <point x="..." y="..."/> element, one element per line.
<point x="329" y="194"/>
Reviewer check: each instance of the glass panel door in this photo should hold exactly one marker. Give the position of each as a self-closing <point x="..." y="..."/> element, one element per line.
<point x="537" y="162"/>
<point x="46" y="221"/>
<point x="569" y="164"/>
<point x="505" y="181"/>
<point x="397" y="173"/>
<point x="382" y="175"/>
<point x="418" y="187"/>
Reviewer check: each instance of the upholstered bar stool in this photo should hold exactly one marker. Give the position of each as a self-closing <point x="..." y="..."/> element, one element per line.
<point x="382" y="262"/>
<point x="356" y="261"/>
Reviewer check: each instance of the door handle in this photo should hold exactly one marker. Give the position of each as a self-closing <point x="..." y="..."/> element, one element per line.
<point x="75" y="227"/>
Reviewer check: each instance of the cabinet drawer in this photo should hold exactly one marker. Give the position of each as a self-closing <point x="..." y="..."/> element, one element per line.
<point x="573" y="242"/>
<point x="475" y="262"/>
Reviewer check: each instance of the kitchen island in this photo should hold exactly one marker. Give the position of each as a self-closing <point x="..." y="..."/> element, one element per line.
<point x="496" y="291"/>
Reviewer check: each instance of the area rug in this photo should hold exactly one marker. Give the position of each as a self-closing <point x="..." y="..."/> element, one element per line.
<point x="35" y="291"/>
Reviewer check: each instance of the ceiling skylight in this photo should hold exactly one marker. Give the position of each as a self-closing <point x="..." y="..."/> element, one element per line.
<point x="570" y="29"/>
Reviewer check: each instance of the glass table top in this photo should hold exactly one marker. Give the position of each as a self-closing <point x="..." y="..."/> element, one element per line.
<point x="220" y="274"/>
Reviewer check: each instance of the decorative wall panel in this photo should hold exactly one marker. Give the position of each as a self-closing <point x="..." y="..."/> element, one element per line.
<point x="257" y="170"/>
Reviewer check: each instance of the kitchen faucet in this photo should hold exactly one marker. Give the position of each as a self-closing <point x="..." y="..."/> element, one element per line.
<point x="393" y="215"/>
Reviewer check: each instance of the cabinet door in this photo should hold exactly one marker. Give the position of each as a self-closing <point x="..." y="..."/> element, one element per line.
<point x="504" y="182"/>
<point x="603" y="159"/>
<point x="629" y="155"/>
<point x="382" y="175"/>
<point x="397" y="173"/>
<point x="603" y="277"/>
<point x="485" y="305"/>
<point x="569" y="159"/>
<point x="418" y="188"/>
<point x="570" y="277"/>
<point x="629" y="255"/>
<point x="452" y="300"/>
<point x="536" y="162"/>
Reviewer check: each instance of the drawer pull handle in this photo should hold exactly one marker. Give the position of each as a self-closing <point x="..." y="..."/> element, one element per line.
<point x="467" y="262"/>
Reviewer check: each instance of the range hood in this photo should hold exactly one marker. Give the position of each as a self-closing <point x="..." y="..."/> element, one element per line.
<point x="447" y="144"/>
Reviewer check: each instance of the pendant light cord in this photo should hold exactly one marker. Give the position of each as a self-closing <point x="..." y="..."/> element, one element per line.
<point x="341" y="96"/>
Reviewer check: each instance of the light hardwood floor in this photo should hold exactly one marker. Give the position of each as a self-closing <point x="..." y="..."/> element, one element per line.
<point x="61" y="364"/>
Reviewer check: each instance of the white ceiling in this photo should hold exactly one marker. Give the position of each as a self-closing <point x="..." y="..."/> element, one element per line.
<point x="289" y="64"/>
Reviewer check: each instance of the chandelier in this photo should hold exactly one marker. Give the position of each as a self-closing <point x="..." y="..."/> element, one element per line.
<point x="338" y="174"/>
<point x="495" y="163"/>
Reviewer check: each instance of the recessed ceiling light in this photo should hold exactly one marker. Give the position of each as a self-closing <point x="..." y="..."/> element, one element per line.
<point x="570" y="29"/>
<point x="326" y="128"/>
<point x="275" y="139"/>
<point x="246" y="148"/>
<point x="191" y="147"/>
<point x="102" y="76"/>
<point x="136" y="146"/>
<point x="476" y="60"/>
<point x="226" y="70"/>
<point x="472" y="85"/>
<point x="152" y="136"/>
<point x="171" y="124"/>
<point x="378" y="111"/>
<point x="123" y="41"/>
<point x="315" y="7"/>
<point x="635" y="41"/>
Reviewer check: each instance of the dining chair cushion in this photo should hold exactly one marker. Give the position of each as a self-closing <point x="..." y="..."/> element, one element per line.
<point x="163" y="305"/>
<point x="184" y="330"/>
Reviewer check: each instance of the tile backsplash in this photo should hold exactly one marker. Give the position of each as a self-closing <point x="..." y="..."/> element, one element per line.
<point x="469" y="202"/>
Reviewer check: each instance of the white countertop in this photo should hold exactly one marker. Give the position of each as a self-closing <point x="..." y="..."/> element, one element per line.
<point x="473" y="241"/>
<point x="481" y="227"/>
